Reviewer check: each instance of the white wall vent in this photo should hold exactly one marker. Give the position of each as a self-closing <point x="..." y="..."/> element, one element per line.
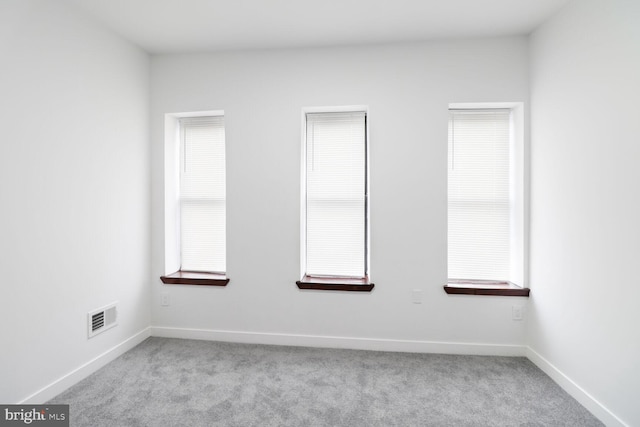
<point x="101" y="319"/>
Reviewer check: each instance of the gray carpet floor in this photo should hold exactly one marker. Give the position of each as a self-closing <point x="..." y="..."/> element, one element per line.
<point x="172" y="382"/>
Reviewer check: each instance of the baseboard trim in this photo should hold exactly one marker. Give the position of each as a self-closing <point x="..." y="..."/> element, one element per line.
<point x="577" y="392"/>
<point x="58" y="386"/>
<point x="406" y="346"/>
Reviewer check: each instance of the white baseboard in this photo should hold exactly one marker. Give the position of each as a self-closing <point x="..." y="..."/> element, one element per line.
<point x="407" y="346"/>
<point x="50" y="391"/>
<point x="577" y="392"/>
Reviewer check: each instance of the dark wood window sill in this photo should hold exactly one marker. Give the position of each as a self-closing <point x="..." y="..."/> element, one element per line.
<point x="335" y="284"/>
<point x="195" y="278"/>
<point x="485" y="287"/>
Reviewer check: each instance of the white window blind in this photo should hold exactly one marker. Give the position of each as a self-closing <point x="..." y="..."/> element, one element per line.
<point x="478" y="194"/>
<point x="202" y="194"/>
<point x="335" y="194"/>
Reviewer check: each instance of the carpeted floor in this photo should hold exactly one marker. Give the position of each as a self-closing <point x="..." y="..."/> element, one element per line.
<point x="171" y="382"/>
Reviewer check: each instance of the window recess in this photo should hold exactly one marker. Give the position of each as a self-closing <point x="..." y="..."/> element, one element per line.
<point x="335" y="202"/>
<point x="485" y="201"/>
<point x="197" y="209"/>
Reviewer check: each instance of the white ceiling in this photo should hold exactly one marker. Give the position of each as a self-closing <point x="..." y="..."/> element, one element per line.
<point x="172" y="26"/>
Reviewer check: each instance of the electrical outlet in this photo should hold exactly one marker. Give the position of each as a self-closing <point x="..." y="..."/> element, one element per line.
<point x="164" y="299"/>
<point x="516" y="312"/>
<point x="417" y="296"/>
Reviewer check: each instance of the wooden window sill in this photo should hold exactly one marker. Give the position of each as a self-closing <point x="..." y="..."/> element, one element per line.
<point x="335" y="284"/>
<point x="485" y="287"/>
<point x="195" y="278"/>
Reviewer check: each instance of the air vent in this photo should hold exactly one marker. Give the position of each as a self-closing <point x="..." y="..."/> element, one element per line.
<point x="101" y="319"/>
<point x="97" y="321"/>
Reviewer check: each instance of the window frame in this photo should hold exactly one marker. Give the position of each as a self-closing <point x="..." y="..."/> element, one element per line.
<point x="173" y="274"/>
<point x="517" y="283"/>
<point x="334" y="283"/>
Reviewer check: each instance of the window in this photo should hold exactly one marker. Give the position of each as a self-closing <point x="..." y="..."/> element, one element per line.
<point x="197" y="208"/>
<point x="335" y="202"/>
<point x="485" y="197"/>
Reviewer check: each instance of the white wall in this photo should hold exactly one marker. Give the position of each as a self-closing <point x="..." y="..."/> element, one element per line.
<point x="407" y="88"/>
<point x="74" y="184"/>
<point x="585" y="88"/>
